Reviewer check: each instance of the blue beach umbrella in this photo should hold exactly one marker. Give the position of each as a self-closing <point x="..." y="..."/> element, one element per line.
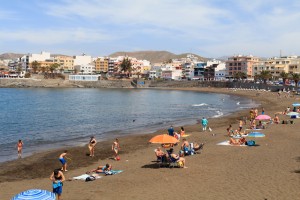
<point x="256" y="134"/>
<point x="296" y="104"/>
<point x="35" y="194"/>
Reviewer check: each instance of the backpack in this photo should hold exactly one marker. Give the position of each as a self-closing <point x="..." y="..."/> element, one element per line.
<point x="90" y="178"/>
<point x="251" y="143"/>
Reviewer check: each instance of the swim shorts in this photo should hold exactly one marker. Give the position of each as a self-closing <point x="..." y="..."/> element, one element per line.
<point x="62" y="160"/>
<point x="57" y="190"/>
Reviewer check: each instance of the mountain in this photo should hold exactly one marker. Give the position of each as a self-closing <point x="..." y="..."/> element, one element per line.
<point x="155" y="56"/>
<point x="10" y="56"/>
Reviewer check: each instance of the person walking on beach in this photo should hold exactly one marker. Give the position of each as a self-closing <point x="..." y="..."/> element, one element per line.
<point x="62" y="159"/>
<point x="115" y="148"/>
<point x="20" y="147"/>
<point x="204" y="123"/>
<point x="57" y="178"/>
<point x="92" y="145"/>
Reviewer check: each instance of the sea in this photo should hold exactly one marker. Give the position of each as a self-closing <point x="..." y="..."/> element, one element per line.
<point x="47" y="118"/>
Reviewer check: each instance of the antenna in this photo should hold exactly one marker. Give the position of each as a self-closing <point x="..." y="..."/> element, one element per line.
<point x="280" y="54"/>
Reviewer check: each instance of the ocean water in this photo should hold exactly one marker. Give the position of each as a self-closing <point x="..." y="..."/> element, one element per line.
<point x="52" y="118"/>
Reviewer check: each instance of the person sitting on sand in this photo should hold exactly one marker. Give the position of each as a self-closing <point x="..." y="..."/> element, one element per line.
<point x="177" y="135"/>
<point x="198" y="146"/>
<point x="185" y="145"/>
<point x="182" y="132"/>
<point x="160" y="154"/>
<point x="176" y="158"/>
<point x="101" y="169"/>
<point x="260" y="125"/>
<point x="276" y="119"/>
<point x="236" y="141"/>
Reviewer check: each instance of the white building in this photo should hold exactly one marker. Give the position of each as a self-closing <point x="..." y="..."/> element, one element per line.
<point x="84" y="77"/>
<point x="220" y="72"/>
<point x="82" y="60"/>
<point x="85" y="69"/>
<point x="29" y="58"/>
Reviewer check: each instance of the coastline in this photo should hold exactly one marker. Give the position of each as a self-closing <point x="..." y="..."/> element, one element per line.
<point x="36" y="168"/>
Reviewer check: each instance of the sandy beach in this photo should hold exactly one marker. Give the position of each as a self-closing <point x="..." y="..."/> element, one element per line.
<point x="270" y="170"/>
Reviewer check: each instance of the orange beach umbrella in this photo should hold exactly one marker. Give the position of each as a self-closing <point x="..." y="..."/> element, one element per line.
<point x="163" y="139"/>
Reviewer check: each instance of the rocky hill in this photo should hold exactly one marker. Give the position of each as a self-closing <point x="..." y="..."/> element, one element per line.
<point x="155" y="56"/>
<point x="10" y="56"/>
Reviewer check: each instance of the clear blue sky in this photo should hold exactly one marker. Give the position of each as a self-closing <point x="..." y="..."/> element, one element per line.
<point x="210" y="28"/>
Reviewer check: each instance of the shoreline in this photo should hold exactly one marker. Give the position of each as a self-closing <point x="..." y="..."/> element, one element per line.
<point x="136" y="146"/>
<point x="141" y="129"/>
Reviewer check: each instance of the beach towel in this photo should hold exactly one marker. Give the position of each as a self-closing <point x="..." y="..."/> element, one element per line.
<point x="113" y="172"/>
<point x="226" y="143"/>
<point x="84" y="176"/>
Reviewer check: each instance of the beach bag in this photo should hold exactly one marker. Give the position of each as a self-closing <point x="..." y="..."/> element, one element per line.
<point x="56" y="185"/>
<point x="90" y="178"/>
<point x="108" y="172"/>
<point x="251" y="143"/>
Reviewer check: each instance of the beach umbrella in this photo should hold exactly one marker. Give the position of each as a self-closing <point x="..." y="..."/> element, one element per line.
<point x="263" y="117"/>
<point x="256" y="134"/>
<point x="292" y="114"/>
<point x="163" y="139"/>
<point x="35" y="194"/>
<point x="296" y="104"/>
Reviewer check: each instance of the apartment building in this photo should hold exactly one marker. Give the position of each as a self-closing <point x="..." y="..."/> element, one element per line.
<point x="26" y="60"/>
<point x="66" y="63"/>
<point x="241" y="63"/>
<point x="101" y="65"/>
<point x="276" y="65"/>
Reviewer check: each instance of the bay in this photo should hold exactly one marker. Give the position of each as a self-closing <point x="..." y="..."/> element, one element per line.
<point x="47" y="118"/>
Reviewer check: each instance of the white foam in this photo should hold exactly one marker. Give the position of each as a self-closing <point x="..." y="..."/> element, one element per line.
<point x="219" y="114"/>
<point x="201" y="104"/>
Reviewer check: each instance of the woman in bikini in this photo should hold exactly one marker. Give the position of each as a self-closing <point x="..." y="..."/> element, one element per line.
<point x="92" y="145"/>
<point x="20" y="147"/>
<point x="115" y="148"/>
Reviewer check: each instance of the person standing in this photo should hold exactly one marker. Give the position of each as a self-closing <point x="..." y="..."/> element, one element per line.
<point x="57" y="178"/>
<point x="171" y="131"/>
<point x="20" y="148"/>
<point x="204" y="123"/>
<point x="262" y="111"/>
<point x="241" y="123"/>
<point x="62" y="159"/>
<point x="115" y="148"/>
<point x="182" y="132"/>
<point x="92" y="145"/>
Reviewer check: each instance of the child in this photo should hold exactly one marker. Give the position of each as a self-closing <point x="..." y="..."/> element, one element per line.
<point x="63" y="160"/>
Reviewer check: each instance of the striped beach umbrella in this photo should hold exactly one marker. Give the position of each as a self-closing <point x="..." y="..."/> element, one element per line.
<point x="35" y="194"/>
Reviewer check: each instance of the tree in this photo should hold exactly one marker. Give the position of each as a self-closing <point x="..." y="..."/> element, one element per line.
<point x="126" y="65"/>
<point x="35" y="66"/>
<point x="265" y="75"/>
<point x="240" y="75"/>
<point x="284" y="76"/>
<point x="296" y="78"/>
<point x="53" y="67"/>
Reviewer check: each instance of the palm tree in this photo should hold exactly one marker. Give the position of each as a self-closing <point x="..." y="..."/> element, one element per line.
<point x="240" y="75"/>
<point x="126" y="65"/>
<point x="296" y="78"/>
<point x="265" y="75"/>
<point x="284" y="76"/>
<point x="35" y="65"/>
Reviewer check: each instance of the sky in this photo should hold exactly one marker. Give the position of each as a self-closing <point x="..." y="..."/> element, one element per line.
<point x="209" y="28"/>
